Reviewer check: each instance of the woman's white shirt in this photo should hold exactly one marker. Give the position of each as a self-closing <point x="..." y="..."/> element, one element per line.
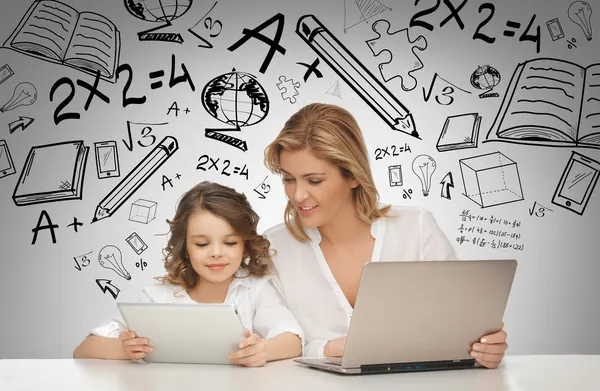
<point x="258" y="302"/>
<point x="311" y="292"/>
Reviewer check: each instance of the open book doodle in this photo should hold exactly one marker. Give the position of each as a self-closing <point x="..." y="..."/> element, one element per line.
<point x="550" y="102"/>
<point x="53" y="31"/>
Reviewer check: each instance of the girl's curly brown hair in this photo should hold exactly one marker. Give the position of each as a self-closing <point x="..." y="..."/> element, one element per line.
<point x="228" y="204"/>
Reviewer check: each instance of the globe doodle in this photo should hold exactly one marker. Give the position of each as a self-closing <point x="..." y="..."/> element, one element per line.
<point x="236" y="99"/>
<point x="485" y="78"/>
<point x="158" y="10"/>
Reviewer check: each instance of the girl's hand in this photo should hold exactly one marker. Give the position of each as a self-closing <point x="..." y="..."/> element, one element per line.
<point x="335" y="347"/>
<point x="135" y="348"/>
<point x="490" y="350"/>
<point x="252" y="352"/>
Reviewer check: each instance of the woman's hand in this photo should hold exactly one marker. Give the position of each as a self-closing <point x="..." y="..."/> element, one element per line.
<point x="252" y="352"/>
<point x="490" y="350"/>
<point x="135" y="347"/>
<point x="335" y="347"/>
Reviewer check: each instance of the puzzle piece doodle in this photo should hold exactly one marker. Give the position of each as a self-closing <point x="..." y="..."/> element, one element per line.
<point x="288" y="88"/>
<point x="398" y="45"/>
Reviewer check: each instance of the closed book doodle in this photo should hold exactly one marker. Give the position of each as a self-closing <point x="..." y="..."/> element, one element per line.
<point x="53" y="172"/>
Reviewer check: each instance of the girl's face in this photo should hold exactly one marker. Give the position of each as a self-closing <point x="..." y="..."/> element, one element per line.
<point x="213" y="247"/>
<point x="315" y="187"/>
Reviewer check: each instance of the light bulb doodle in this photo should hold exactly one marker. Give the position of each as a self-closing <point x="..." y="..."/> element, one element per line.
<point x="24" y="94"/>
<point x="580" y="13"/>
<point x="424" y="166"/>
<point x="110" y="257"/>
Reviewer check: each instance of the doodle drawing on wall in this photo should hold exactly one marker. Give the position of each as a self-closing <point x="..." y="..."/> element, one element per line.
<point x="550" y="102"/>
<point x="459" y="132"/>
<point x="53" y="172"/>
<point x="142" y="211"/>
<point x="24" y="94"/>
<point x="360" y="11"/>
<point x="107" y="159"/>
<point x="356" y="75"/>
<point x="580" y="13"/>
<point x="403" y="60"/>
<point x="158" y="11"/>
<point x="577" y="183"/>
<point x="491" y="179"/>
<point x="5" y="73"/>
<point x="55" y="32"/>
<point x="136" y="178"/>
<point x="486" y="78"/>
<point x="288" y="88"/>
<point x="110" y="257"/>
<point x="7" y="167"/>
<point x="136" y="243"/>
<point x="235" y="99"/>
<point x="21" y="123"/>
<point x="424" y="166"/>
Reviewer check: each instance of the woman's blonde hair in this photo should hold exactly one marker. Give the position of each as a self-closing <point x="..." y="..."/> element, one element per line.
<point x="231" y="206"/>
<point x="332" y="134"/>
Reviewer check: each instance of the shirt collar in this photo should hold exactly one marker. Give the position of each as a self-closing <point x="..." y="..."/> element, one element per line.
<point x="240" y="279"/>
<point x="315" y="236"/>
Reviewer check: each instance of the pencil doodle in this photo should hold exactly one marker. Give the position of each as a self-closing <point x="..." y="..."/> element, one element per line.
<point x="55" y="32"/>
<point x="486" y="78"/>
<point x="550" y="102"/>
<point x="395" y="175"/>
<point x="402" y="58"/>
<point x="24" y="94"/>
<point x="5" y="73"/>
<point x="459" y="132"/>
<point x="447" y="182"/>
<point x="21" y="123"/>
<point x="7" y="167"/>
<point x="106" y="285"/>
<point x="107" y="159"/>
<point x="356" y="75"/>
<point x="288" y="88"/>
<point x="110" y="257"/>
<point x="158" y="11"/>
<point x="577" y="183"/>
<point x="209" y="24"/>
<point x="424" y="166"/>
<point x="136" y="243"/>
<point x="360" y="11"/>
<point x="491" y="179"/>
<point x="143" y="211"/>
<point x="136" y="178"/>
<point x="52" y="172"/>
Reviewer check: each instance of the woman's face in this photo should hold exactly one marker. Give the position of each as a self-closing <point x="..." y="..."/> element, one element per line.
<point x="213" y="247"/>
<point x="315" y="187"/>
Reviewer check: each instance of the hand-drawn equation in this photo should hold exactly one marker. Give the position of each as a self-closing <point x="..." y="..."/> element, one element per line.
<point x="205" y="159"/>
<point x="454" y="13"/>
<point x="380" y="153"/>
<point x="499" y="233"/>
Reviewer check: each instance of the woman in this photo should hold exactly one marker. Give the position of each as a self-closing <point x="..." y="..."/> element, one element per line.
<point x="334" y="225"/>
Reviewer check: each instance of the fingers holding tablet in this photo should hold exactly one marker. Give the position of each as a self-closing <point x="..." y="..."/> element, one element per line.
<point x="135" y="347"/>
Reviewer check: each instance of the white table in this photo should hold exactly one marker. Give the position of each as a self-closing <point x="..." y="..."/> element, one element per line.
<point x="516" y="373"/>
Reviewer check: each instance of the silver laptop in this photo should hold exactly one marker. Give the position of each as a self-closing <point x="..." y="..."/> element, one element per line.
<point x="422" y="315"/>
<point x="186" y="333"/>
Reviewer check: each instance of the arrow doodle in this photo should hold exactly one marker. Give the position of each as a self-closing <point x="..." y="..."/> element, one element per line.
<point x="106" y="285"/>
<point x="22" y="122"/>
<point x="447" y="182"/>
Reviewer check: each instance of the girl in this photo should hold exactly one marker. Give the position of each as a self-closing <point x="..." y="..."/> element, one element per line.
<point x="214" y="255"/>
<point x="334" y="225"/>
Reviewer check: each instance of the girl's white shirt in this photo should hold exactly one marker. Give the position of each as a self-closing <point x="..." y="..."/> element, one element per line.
<point x="311" y="291"/>
<point x="259" y="303"/>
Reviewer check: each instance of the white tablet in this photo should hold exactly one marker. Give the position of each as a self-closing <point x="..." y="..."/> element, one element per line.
<point x="186" y="333"/>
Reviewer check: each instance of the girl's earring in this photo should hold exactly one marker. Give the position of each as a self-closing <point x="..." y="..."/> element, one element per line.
<point x="247" y="260"/>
